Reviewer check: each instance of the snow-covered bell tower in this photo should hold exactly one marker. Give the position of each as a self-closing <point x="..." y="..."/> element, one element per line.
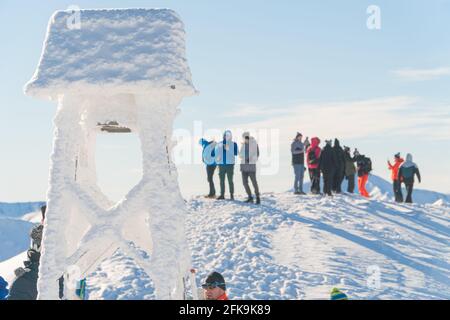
<point x="121" y="70"/>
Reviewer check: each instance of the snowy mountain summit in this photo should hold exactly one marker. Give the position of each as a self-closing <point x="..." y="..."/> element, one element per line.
<point x="300" y="247"/>
<point x="295" y="247"/>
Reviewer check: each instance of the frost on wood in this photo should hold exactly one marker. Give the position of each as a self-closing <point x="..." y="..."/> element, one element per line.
<point x="121" y="50"/>
<point x="124" y="70"/>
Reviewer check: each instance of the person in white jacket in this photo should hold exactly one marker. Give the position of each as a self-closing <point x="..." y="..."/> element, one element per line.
<point x="249" y="154"/>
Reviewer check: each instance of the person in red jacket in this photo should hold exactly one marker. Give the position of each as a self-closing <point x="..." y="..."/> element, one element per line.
<point x="214" y="287"/>
<point x="313" y="162"/>
<point x="397" y="185"/>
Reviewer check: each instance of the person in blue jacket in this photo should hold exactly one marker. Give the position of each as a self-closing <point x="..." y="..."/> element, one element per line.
<point x="3" y="289"/>
<point x="226" y="153"/>
<point x="208" y="157"/>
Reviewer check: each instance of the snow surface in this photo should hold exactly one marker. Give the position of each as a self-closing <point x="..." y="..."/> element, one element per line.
<point x="125" y="50"/>
<point x="296" y="247"/>
<point x="16" y="221"/>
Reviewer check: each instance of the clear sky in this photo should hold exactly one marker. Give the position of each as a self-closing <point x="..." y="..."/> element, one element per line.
<point x="270" y="66"/>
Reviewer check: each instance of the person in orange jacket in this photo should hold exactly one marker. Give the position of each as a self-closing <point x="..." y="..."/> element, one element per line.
<point x="214" y="287"/>
<point x="397" y="185"/>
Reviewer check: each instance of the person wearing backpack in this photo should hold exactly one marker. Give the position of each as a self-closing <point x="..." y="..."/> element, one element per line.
<point x="313" y="162"/>
<point x="298" y="162"/>
<point x="208" y="156"/>
<point x="328" y="167"/>
<point x="406" y="175"/>
<point x="350" y="170"/>
<point x="364" y="167"/>
<point x="397" y="185"/>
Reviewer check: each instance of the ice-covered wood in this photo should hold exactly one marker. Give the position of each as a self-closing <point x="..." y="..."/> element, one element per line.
<point x="116" y="50"/>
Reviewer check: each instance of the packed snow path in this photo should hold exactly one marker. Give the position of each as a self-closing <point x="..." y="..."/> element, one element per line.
<point x="295" y="247"/>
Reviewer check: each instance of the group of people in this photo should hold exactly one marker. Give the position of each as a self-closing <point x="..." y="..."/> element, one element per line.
<point x="333" y="163"/>
<point x="222" y="155"/>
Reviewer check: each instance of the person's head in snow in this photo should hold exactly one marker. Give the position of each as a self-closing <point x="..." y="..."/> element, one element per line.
<point x="337" y="294"/>
<point x="214" y="287"/>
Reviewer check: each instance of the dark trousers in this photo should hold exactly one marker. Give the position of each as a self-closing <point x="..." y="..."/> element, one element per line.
<point x="226" y="171"/>
<point x="338" y="177"/>
<point x="314" y="175"/>
<point x="397" y="185"/>
<point x="409" y="190"/>
<point x="328" y="182"/>
<point x="210" y="174"/>
<point x="252" y="176"/>
<point x="351" y="183"/>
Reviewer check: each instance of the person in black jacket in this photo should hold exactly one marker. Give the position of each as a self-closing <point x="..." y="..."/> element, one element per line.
<point x="24" y="286"/>
<point x="328" y="167"/>
<point x="339" y="173"/>
<point x="406" y="175"/>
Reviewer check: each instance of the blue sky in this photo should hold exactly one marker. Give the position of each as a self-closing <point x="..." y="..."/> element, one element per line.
<point x="310" y="66"/>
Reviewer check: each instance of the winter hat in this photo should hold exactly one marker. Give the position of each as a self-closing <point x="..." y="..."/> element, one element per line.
<point x="216" y="279"/>
<point x="336" y="294"/>
<point x="19" y="272"/>
<point x="246" y="135"/>
<point x="298" y="135"/>
<point x="228" y="133"/>
<point x="397" y="155"/>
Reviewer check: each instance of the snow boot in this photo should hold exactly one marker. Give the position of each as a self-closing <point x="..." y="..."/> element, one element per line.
<point x="232" y="197"/>
<point x="258" y="200"/>
<point x="222" y="197"/>
<point x="249" y="200"/>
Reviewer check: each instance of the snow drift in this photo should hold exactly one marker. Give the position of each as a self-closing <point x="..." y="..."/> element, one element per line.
<point x="295" y="247"/>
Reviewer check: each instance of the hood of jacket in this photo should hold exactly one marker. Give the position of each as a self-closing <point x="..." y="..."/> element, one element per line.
<point x="227" y="133"/>
<point x="337" y="144"/>
<point x="409" y="161"/>
<point x="315" y="142"/>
